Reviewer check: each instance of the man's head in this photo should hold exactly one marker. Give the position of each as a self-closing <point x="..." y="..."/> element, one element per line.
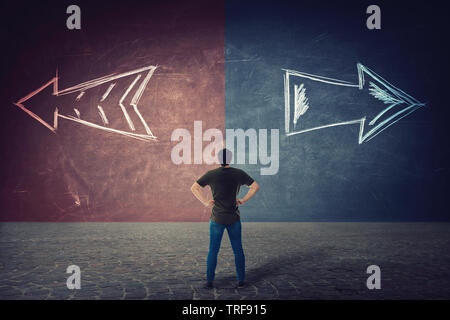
<point x="224" y="157"/>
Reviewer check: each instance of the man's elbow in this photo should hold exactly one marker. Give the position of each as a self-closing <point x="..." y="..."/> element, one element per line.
<point x="255" y="186"/>
<point x="195" y="186"/>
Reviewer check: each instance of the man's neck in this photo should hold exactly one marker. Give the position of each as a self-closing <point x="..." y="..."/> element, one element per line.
<point x="227" y="166"/>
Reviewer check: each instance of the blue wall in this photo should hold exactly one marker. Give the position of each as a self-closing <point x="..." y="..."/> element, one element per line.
<point x="326" y="175"/>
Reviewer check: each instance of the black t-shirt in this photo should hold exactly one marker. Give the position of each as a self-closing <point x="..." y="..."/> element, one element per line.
<point x="225" y="184"/>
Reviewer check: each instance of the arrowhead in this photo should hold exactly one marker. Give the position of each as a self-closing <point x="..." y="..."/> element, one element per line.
<point x="398" y="104"/>
<point x="19" y="103"/>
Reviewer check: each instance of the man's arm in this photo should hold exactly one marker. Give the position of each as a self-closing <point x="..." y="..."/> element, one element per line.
<point x="254" y="187"/>
<point x="197" y="191"/>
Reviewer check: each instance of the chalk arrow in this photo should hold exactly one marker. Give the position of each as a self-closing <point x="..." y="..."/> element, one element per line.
<point x="80" y="90"/>
<point x="315" y="102"/>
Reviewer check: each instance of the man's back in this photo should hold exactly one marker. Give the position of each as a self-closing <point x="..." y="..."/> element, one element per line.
<point x="225" y="183"/>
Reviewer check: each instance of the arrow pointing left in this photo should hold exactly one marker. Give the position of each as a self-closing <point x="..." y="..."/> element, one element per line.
<point x="83" y="87"/>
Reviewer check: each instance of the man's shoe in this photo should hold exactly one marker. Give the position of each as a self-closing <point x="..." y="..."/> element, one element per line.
<point x="240" y="284"/>
<point x="208" y="285"/>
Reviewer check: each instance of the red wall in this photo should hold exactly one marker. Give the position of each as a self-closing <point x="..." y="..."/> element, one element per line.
<point x="86" y="174"/>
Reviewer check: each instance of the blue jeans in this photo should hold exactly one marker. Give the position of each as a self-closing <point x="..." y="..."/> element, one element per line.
<point x="215" y="238"/>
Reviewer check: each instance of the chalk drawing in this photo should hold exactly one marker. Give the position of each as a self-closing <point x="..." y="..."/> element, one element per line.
<point x="78" y="98"/>
<point x="300" y="102"/>
<point x="82" y="87"/>
<point x="105" y="95"/>
<point x="103" y="115"/>
<point x="382" y="91"/>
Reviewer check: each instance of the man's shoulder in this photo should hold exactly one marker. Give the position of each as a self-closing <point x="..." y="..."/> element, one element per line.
<point x="244" y="176"/>
<point x="212" y="172"/>
<point x="237" y="170"/>
<point x="230" y="169"/>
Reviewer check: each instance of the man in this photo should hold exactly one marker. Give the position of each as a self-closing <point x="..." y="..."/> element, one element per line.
<point x="225" y="183"/>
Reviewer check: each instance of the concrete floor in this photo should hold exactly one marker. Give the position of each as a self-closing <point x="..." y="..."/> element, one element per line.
<point x="168" y="261"/>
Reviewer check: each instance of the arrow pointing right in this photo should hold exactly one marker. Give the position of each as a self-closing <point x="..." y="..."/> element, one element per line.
<point x="396" y="103"/>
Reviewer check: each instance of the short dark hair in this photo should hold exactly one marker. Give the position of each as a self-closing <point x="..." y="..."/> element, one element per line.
<point x="224" y="157"/>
